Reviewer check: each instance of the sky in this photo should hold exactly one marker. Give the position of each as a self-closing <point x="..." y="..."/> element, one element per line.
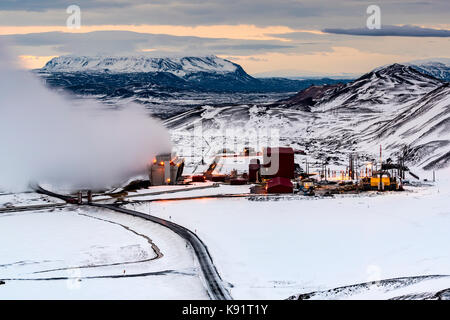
<point x="266" y="37"/>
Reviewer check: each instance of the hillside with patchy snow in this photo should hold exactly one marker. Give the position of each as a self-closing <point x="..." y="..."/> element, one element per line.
<point x="439" y="69"/>
<point x="395" y="106"/>
<point x="375" y="90"/>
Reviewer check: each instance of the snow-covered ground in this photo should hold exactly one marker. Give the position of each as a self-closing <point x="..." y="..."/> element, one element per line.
<point x="275" y="249"/>
<point x="210" y="189"/>
<point x="79" y="253"/>
<point x="25" y="199"/>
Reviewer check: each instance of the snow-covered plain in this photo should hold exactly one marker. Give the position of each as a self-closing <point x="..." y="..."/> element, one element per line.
<point x="267" y="249"/>
<point x="210" y="190"/>
<point x="75" y="253"/>
<point x="26" y="199"/>
<point x="275" y="249"/>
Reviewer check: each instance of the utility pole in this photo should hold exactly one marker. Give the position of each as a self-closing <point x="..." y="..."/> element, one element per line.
<point x="306" y="165"/>
<point x="351" y="167"/>
<point x="381" y="156"/>
<point x="380" y="174"/>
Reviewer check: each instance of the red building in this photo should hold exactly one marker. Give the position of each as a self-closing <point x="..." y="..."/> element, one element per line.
<point x="285" y="158"/>
<point x="280" y="185"/>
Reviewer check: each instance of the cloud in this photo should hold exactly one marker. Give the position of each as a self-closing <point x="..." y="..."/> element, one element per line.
<point x="250" y="47"/>
<point x="298" y="14"/>
<point x="132" y="43"/>
<point x="44" y="5"/>
<point x="175" y="12"/>
<point x="392" y="31"/>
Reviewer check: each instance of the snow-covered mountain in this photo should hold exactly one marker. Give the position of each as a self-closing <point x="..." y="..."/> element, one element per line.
<point x="371" y="92"/>
<point x="180" y="67"/>
<point x="395" y="106"/>
<point x="423" y="126"/>
<point x="156" y="82"/>
<point x="439" y="69"/>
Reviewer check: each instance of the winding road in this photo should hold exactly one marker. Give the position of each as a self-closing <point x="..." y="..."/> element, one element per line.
<point x="214" y="283"/>
<point x="215" y="286"/>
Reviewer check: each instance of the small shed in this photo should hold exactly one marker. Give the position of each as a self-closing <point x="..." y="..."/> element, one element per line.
<point x="280" y="185"/>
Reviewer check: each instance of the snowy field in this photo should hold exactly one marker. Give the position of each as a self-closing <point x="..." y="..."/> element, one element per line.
<point x="275" y="249"/>
<point x="25" y="199"/>
<point x="73" y="253"/>
<point x="211" y="189"/>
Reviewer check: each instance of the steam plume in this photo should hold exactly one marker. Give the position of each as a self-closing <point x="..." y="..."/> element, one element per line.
<point x="46" y="137"/>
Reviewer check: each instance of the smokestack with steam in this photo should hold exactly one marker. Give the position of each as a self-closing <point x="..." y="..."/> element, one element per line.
<point x="48" y="138"/>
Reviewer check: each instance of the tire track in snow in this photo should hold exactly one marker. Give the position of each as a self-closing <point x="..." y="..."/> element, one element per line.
<point x="133" y="275"/>
<point x="154" y="247"/>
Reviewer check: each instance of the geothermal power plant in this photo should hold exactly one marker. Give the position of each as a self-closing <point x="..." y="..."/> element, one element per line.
<point x="274" y="170"/>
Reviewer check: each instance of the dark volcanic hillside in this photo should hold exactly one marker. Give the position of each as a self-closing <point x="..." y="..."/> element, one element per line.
<point x="147" y="84"/>
<point x="311" y="96"/>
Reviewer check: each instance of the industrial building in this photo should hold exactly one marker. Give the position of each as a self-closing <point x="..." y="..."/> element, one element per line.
<point x="166" y="169"/>
<point x="279" y="185"/>
<point x="274" y="171"/>
<point x="284" y="160"/>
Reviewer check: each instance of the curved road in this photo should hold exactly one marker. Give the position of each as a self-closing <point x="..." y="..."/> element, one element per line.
<point x="214" y="282"/>
<point x="216" y="289"/>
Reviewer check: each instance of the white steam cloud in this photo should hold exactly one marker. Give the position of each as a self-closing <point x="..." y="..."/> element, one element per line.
<point x="48" y="138"/>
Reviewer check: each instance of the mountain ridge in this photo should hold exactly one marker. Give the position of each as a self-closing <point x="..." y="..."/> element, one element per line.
<point x="180" y="66"/>
<point x="377" y="87"/>
<point x="394" y="106"/>
<point x="437" y="69"/>
<point x="141" y="75"/>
